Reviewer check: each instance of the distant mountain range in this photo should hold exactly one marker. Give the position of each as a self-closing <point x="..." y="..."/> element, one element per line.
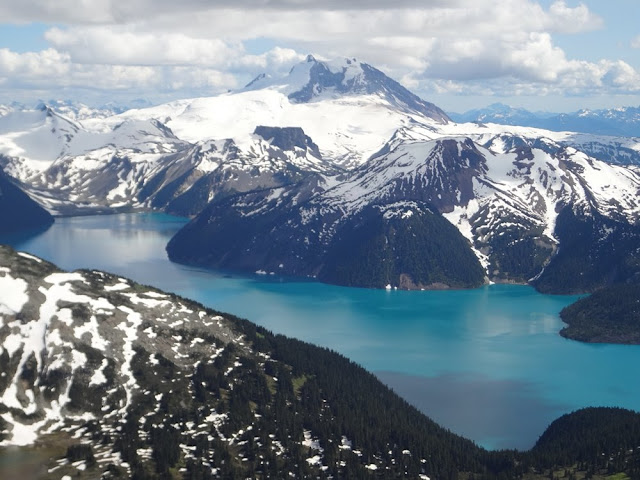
<point x="624" y="121"/>
<point x="337" y="172"/>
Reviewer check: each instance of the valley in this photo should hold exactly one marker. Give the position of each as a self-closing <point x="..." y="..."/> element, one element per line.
<point x="311" y="204"/>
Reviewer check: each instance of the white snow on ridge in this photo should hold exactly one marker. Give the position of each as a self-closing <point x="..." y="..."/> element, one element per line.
<point x="130" y="335"/>
<point x="352" y="127"/>
<point x="30" y="257"/>
<point x="34" y="336"/>
<point x="40" y="137"/>
<point x="13" y="294"/>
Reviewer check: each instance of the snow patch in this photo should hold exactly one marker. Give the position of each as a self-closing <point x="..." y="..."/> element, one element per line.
<point x="13" y="294"/>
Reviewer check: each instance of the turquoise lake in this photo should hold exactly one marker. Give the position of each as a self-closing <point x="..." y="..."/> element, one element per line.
<point x="486" y="363"/>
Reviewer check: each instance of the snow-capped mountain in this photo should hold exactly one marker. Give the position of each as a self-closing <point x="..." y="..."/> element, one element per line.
<point x="117" y="380"/>
<point x="180" y="155"/>
<point x="139" y="163"/>
<point x="315" y="80"/>
<point x="348" y="108"/>
<point x="126" y="160"/>
<point x="506" y="196"/>
<point x="215" y="169"/>
<point x="349" y="143"/>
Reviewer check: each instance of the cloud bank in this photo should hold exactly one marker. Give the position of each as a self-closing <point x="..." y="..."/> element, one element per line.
<point x="477" y="47"/>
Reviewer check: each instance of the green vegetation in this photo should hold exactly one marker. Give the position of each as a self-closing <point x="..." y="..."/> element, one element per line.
<point x="598" y="440"/>
<point x="423" y="250"/>
<point x="584" y="262"/>
<point x="244" y="408"/>
<point x="610" y="315"/>
<point x="518" y="256"/>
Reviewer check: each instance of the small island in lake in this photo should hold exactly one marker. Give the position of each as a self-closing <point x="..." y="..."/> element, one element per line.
<point x="610" y="315"/>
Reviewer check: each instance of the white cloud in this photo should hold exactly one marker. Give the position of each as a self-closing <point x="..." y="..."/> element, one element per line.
<point x="33" y="65"/>
<point x="478" y="18"/>
<point x="122" y="12"/>
<point x="572" y="20"/>
<point x="635" y="42"/>
<point x="123" y="46"/>
<point x="482" y="46"/>
<point x="52" y="69"/>
<point x="620" y="75"/>
<point x="578" y="78"/>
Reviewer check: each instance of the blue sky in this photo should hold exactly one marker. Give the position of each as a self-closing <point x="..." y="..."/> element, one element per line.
<point x="460" y="54"/>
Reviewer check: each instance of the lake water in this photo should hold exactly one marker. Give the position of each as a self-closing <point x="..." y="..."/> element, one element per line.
<point x="486" y="363"/>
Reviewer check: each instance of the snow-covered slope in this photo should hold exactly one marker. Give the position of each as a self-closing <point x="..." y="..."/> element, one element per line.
<point x="138" y="382"/>
<point x="213" y="169"/>
<point x="348" y="130"/>
<point x="36" y="136"/>
<point x="122" y="161"/>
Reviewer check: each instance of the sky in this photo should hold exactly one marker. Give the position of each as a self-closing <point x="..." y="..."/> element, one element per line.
<point x="543" y="55"/>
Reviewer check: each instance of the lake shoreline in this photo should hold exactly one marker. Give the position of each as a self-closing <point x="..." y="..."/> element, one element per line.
<point x="497" y="344"/>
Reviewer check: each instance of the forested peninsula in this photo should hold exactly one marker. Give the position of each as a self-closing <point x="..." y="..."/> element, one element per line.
<point x="609" y="315"/>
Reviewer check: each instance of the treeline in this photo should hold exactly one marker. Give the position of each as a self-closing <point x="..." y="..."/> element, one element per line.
<point x="590" y="441"/>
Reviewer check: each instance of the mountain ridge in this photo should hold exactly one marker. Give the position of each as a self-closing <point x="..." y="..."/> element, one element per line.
<point x="620" y="121"/>
<point x="348" y="138"/>
<point x="506" y="200"/>
<point x="313" y="79"/>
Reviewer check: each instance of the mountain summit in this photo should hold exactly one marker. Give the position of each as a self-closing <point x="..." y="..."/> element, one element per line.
<point x="313" y="80"/>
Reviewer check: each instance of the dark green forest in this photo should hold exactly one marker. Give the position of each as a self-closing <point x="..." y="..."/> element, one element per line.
<point x="584" y="262"/>
<point x="609" y="315"/>
<point x="421" y="251"/>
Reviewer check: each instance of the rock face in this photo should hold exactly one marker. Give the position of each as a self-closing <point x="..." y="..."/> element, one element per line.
<point x="287" y="138"/>
<point x="18" y="212"/>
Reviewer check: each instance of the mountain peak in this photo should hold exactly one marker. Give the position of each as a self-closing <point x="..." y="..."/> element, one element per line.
<point x="313" y="80"/>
